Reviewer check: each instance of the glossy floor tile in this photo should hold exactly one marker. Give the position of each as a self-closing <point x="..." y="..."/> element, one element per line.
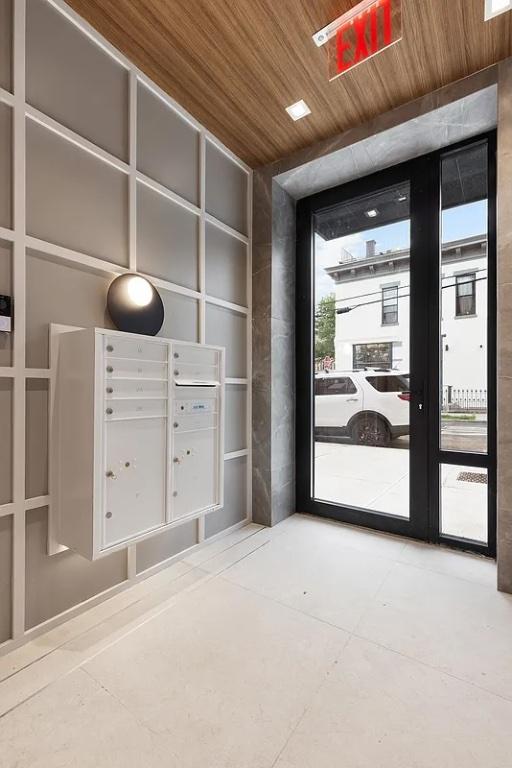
<point x="310" y="645"/>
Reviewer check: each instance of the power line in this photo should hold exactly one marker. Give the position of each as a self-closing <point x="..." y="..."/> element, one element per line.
<point x="379" y="301"/>
<point x="400" y="288"/>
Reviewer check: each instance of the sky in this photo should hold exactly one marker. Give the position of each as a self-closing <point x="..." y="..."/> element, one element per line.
<point x="463" y="221"/>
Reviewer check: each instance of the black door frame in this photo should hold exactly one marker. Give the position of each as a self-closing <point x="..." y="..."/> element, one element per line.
<point x="423" y="174"/>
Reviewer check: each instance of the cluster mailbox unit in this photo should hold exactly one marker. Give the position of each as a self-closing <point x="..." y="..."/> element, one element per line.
<point x="137" y="437"/>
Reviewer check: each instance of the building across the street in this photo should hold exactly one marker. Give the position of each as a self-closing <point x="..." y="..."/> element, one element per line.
<point x="373" y="328"/>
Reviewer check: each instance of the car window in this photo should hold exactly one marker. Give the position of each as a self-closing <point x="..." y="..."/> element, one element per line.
<point x="335" y="386"/>
<point x="389" y="383"/>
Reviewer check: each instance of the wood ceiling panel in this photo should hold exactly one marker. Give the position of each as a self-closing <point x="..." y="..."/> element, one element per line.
<point x="236" y="64"/>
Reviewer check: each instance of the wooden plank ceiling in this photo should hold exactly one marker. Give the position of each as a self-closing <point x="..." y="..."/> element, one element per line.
<point x="236" y="64"/>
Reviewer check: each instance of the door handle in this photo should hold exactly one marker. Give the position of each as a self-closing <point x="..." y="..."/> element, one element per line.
<point x="418" y="395"/>
<point x="352" y="400"/>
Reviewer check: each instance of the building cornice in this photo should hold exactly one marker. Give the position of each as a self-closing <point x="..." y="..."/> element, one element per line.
<point x="392" y="262"/>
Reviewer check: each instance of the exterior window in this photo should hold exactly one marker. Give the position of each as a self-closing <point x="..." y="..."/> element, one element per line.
<point x="389" y="383"/>
<point x="465" y="295"/>
<point x="390" y="306"/>
<point x="332" y="386"/>
<point x="373" y="356"/>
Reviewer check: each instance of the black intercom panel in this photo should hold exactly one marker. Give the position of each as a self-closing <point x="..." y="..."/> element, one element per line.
<point x="5" y="314"/>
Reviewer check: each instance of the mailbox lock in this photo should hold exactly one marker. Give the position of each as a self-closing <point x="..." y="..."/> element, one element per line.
<point x="109" y="411"/>
<point x="127" y="464"/>
<point x="176" y="460"/>
<point x="176" y="373"/>
<point x="175" y="493"/>
<point x="110" y="390"/>
<point x="111" y="474"/>
<point x="176" y="355"/>
<point x="110" y="348"/>
<point x="176" y="425"/>
<point x="108" y="515"/>
<point x="110" y="369"/>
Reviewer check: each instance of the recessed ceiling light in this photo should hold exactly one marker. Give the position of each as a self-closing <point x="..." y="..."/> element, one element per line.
<point x="372" y="213"/>
<point x="298" y="110"/>
<point x="495" y="7"/>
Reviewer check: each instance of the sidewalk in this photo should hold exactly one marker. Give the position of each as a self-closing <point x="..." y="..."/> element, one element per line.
<point x="378" y="479"/>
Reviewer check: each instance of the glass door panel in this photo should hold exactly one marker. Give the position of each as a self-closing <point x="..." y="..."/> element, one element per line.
<point x="466" y="299"/>
<point x="464" y="307"/>
<point x="396" y="367"/>
<point x="362" y="352"/>
<point x="463" y="510"/>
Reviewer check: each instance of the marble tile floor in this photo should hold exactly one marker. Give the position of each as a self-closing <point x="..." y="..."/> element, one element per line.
<point x="307" y="645"/>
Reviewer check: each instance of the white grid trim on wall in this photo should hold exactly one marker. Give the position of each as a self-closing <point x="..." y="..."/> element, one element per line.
<point x="21" y="112"/>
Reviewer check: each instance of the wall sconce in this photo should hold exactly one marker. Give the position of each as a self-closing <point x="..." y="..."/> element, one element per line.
<point x="135" y="305"/>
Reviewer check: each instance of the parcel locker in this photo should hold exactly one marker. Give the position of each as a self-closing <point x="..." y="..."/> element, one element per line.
<point x="137" y="437"/>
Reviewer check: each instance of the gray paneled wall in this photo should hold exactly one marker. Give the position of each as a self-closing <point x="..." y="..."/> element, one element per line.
<point x="226" y="328"/>
<point x="36" y="438"/>
<point x="6" y="44"/>
<point x="74" y="199"/>
<point x="167" y="146"/>
<point x="5" y="577"/>
<point x="226" y="266"/>
<point x="54" y="584"/>
<point x="167" y="239"/>
<point x="226" y="190"/>
<point x="159" y="548"/>
<point x="235" y="494"/>
<point x="74" y="81"/>
<point x="116" y="177"/>
<point x="236" y="422"/>
<point x="57" y="292"/>
<point x="5" y="165"/>
<point x="181" y="317"/>
<point x="6" y="404"/>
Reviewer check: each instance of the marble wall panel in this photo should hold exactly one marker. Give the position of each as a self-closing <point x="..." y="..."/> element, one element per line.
<point x="505" y="327"/>
<point x="273" y="353"/>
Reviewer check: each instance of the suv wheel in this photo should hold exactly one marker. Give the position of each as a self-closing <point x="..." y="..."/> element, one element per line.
<point x="371" y="430"/>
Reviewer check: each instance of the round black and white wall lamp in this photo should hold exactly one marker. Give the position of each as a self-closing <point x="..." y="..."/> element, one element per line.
<point x="135" y="305"/>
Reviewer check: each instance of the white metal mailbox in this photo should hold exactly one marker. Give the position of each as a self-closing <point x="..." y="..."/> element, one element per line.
<point x="137" y="437"/>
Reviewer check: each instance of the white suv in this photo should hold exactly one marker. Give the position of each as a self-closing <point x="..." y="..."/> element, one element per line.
<point x="370" y="406"/>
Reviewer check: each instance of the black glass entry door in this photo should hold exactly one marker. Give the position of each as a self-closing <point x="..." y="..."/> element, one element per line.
<point x="395" y="349"/>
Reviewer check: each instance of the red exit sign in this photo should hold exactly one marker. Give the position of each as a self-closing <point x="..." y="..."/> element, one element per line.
<point x="369" y="28"/>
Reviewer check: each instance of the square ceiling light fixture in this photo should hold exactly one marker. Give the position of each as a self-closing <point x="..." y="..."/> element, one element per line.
<point x="494" y="8"/>
<point x="298" y="110"/>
